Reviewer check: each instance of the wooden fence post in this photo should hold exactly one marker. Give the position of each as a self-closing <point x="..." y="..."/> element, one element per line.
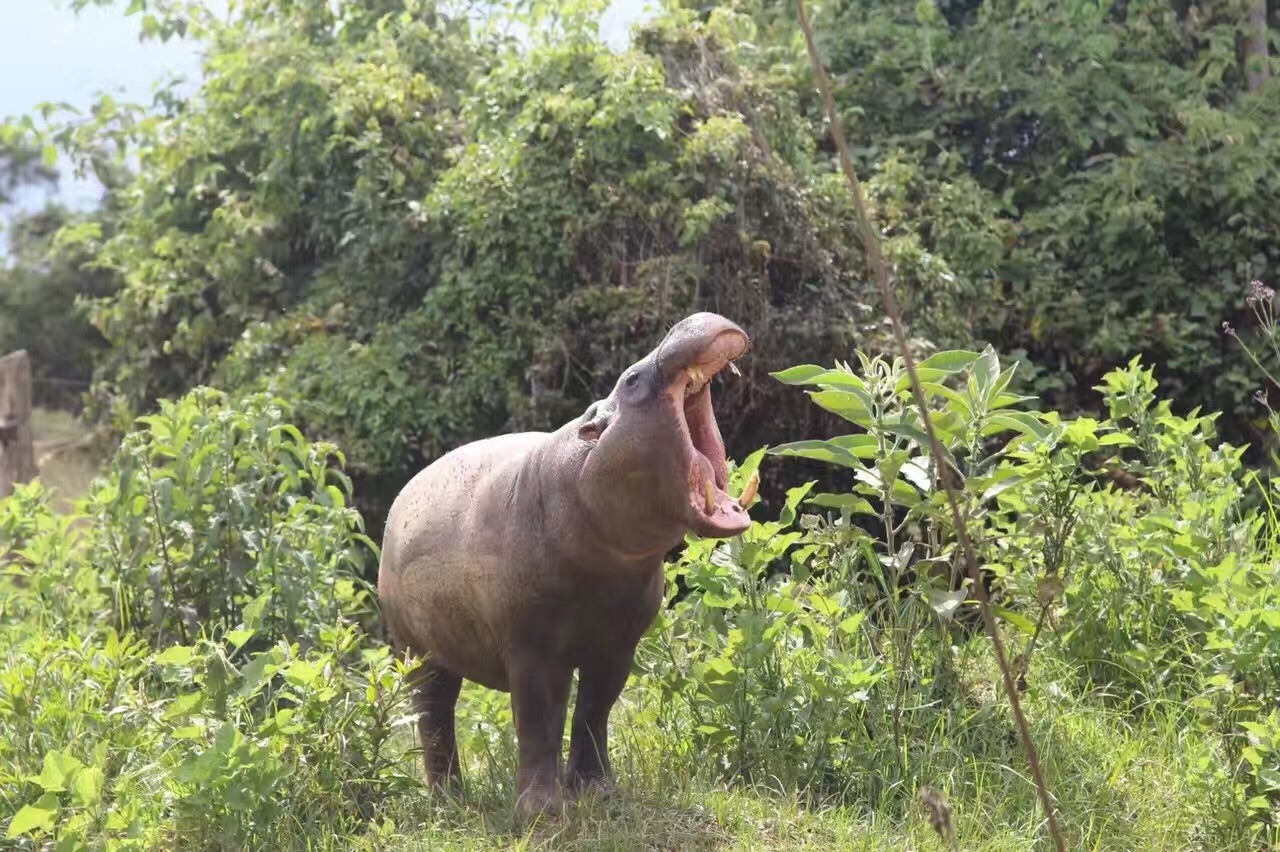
<point x="17" y="451"/>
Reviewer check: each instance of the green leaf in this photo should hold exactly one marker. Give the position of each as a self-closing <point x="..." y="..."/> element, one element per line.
<point x="926" y="376"/>
<point x="237" y="638"/>
<point x="956" y="401"/>
<point x="1016" y="421"/>
<point x="1016" y="619"/>
<point x="30" y="819"/>
<point x="823" y="451"/>
<point x="184" y="705"/>
<point x="945" y="603"/>
<point x="87" y="789"/>
<point x="1259" y="803"/>
<point x="916" y="471"/>
<point x="303" y="672"/>
<point x="794" y="496"/>
<point x="253" y="611"/>
<point x="1005" y="480"/>
<point x="58" y="769"/>
<point x="850" y="625"/>
<point x="852" y="405"/>
<point x="849" y="502"/>
<point x="906" y="430"/>
<point x="175" y="655"/>
<point x="948" y="361"/>
<point x="986" y="370"/>
<point x="800" y="375"/>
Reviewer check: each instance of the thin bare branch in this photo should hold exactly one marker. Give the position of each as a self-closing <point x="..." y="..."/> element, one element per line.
<point x="880" y="271"/>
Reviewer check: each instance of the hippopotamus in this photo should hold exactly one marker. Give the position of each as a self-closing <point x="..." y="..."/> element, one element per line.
<point x="516" y="560"/>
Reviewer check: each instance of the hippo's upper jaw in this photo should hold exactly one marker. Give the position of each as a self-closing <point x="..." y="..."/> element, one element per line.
<point x="693" y="353"/>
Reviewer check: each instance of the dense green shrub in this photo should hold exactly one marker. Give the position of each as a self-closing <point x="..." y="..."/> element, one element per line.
<point x="212" y="508"/>
<point x="1125" y="548"/>
<point x="274" y="718"/>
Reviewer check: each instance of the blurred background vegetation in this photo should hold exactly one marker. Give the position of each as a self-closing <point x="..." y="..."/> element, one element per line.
<point x="426" y="224"/>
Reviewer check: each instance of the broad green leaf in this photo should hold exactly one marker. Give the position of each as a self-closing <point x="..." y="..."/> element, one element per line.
<point x="184" y="705"/>
<point x="1016" y="421"/>
<point x="851" y="502"/>
<point x="1016" y="619"/>
<point x="986" y="370"/>
<point x="945" y="603"/>
<point x="862" y="446"/>
<point x="175" y="655"/>
<point x="852" y="405"/>
<point x="926" y="376"/>
<point x="823" y="451"/>
<point x="237" y="638"/>
<point x="253" y="611"/>
<point x="949" y="361"/>
<point x="794" y="497"/>
<point x="1004" y="480"/>
<point x="302" y="672"/>
<point x="30" y="819"/>
<point x="87" y="787"/>
<point x="59" y="767"/>
<point x="916" y="471"/>
<point x="1004" y="400"/>
<point x="956" y="401"/>
<point x="799" y="375"/>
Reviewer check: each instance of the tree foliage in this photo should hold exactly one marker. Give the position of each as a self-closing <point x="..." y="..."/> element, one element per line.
<point x="425" y="231"/>
<point x="1130" y="178"/>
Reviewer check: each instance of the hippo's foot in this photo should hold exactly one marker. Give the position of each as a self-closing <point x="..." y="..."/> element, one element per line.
<point x="447" y="787"/>
<point x="540" y="800"/>
<point x="594" y="785"/>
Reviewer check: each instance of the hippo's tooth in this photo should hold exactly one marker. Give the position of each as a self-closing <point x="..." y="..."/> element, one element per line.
<point x="753" y="485"/>
<point x="696" y="381"/>
<point x="733" y="368"/>
<point x="708" y="491"/>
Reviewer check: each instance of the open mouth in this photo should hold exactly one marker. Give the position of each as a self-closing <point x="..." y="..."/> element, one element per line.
<point x="715" y="512"/>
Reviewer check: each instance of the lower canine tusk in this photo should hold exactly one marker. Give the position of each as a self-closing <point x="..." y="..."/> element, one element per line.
<point x="733" y="368"/>
<point x="709" y="492"/>
<point x="749" y="492"/>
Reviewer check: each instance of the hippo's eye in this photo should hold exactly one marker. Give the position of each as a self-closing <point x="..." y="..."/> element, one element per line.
<point x="630" y="381"/>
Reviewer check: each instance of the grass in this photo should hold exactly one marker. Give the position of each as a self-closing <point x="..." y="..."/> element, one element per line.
<point x="66" y="455"/>
<point x="1122" y="782"/>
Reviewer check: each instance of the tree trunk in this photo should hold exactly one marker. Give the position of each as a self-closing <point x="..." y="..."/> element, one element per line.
<point x="17" y="451"/>
<point x="1256" y="66"/>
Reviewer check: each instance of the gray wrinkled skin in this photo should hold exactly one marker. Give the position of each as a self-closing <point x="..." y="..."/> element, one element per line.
<point x="516" y="560"/>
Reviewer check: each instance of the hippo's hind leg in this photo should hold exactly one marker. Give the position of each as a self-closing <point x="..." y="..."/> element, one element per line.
<point x="599" y="685"/>
<point x="435" y="695"/>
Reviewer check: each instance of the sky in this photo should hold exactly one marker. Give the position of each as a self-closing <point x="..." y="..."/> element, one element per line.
<point x="49" y="53"/>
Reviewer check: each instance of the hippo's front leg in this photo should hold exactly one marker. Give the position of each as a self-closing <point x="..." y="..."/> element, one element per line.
<point x="539" y="699"/>
<point x="599" y="685"/>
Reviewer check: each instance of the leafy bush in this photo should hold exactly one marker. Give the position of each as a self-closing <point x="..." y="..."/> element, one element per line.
<point x="817" y="656"/>
<point x="276" y="716"/>
<point x="213" y="508"/>
<point x="828" y="651"/>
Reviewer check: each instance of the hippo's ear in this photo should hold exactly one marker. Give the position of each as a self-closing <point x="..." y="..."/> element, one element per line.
<point x="594" y="421"/>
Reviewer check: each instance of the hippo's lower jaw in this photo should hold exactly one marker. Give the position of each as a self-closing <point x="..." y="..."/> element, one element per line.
<point x="712" y="511"/>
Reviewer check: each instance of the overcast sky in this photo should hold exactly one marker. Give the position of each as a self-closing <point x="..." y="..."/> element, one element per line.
<point x="49" y="53"/>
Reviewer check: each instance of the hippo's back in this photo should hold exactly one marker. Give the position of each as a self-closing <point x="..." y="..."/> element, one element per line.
<point x="440" y="582"/>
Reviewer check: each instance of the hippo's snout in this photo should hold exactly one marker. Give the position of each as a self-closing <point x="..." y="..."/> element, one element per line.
<point x="704" y="341"/>
<point x="693" y="352"/>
